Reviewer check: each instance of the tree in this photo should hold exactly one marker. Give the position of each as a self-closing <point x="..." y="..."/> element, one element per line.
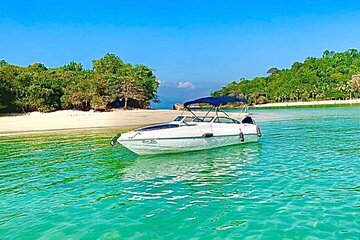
<point x="79" y="93"/>
<point x="45" y="92"/>
<point x="127" y="88"/>
<point x="9" y="87"/>
<point x="7" y="95"/>
<point x="355" y="83"/>
<point x="73" y="66"/>
<point x="3" y="62"/>
<point x="328" y="54"/>
<point x="139" y="78"/>
<point x="317" y="78"/>
<point x="37" y="87"/>
<point x="273" y="70"/>
<point x="110" y="63"/>
<point x="146" y="78"/>
<point x="37" y="67"/>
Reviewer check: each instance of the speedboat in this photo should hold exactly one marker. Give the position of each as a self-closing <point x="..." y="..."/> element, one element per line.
<point x="192" y="132"/>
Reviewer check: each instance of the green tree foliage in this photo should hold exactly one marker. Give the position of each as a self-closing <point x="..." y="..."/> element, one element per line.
<point x="119" y="77"/>
<point x="36" y="87"/>
<point x="7" y="96"/>
<point x="3" y="62"/>
<point x="328" y="77"/>
<point x="273" y="70"/>
<point x="73" y="66"/>
<point x="9" y="86"/>
<point x="80" y="90"/>
<point x="110" y="64"/>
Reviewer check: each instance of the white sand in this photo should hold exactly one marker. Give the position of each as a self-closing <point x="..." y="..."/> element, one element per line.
<point x="315" y="103"/>
<point x="70" y="120"/>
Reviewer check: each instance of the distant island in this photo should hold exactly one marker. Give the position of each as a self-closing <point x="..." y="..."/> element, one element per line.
<point x="110" y="83"/>
<point x="334" y="76"/>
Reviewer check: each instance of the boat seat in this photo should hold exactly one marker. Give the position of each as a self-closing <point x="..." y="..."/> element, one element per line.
<point x="247" y="120"/>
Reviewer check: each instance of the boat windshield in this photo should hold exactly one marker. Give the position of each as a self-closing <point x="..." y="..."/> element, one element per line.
<point x="185" y="119"/>
<point x="203" y="119"/>
<point x="179" y="118"/>
<point x="225" y="120"/>
<point x="188" y="119"/>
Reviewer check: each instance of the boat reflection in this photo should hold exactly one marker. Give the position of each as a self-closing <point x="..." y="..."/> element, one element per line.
<point x="207" y="165"/>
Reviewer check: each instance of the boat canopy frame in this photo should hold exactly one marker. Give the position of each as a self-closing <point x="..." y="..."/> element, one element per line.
<point x="216" y="103"/>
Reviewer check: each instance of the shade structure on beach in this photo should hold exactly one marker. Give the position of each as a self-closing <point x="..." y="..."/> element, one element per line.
<point x="215" y="101"/>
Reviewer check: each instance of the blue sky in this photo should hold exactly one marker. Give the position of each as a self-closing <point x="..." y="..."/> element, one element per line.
<point x="194" y="46"/>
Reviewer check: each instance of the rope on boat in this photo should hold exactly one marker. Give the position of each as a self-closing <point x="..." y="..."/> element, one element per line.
<point x="113" y="141"/>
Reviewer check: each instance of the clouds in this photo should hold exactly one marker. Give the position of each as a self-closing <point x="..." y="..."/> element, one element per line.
<point x="178" y="91"/>
<point x="185" y="85"/>
<point x="161" y="83"/>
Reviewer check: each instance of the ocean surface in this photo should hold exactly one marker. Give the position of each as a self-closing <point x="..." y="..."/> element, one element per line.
<point x="300" y="181"/>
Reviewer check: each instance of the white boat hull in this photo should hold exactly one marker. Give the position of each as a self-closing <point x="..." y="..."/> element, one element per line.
<point x="179" y="136"/>
<point x="173" y="145"/>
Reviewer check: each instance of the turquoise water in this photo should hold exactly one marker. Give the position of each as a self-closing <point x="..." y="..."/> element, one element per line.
<point x="301" y="181"/>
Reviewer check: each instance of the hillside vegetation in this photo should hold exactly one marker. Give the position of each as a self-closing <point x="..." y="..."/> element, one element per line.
<point x="37" y="88"/>
<point x="328" y="77"/>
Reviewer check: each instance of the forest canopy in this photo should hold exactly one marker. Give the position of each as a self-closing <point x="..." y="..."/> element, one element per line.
<point x="111" y="82"/>
<point x="333" y="76"/>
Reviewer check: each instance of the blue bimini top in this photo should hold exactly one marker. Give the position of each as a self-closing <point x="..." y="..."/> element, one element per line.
<point x="215" y="101"/>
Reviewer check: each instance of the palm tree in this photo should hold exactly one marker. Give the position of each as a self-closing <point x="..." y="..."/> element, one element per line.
<point x="297" y="94"/>
<point x="314" y="91"/>
<point x="349" y="89"/>
<point x="355" y="83"/>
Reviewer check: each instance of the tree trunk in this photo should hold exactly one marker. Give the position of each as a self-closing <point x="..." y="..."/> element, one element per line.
<point x="125" y="104"/>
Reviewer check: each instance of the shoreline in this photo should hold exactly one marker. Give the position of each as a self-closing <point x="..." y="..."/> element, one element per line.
<point x="308" y="104"/>
<point x="13" y="124"/>
<point x="71" y="120"/>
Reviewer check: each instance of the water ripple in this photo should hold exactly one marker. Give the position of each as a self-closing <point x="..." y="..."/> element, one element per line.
<point x="299" y="182"/>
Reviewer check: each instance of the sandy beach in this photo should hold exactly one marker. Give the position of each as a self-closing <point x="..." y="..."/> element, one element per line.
<point x="71" y="120"/>
<point x="37" y="122"/>
<point x="314" y="103"/>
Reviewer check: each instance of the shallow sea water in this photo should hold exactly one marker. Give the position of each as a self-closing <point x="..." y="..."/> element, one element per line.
<point x="300" y="181"/>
